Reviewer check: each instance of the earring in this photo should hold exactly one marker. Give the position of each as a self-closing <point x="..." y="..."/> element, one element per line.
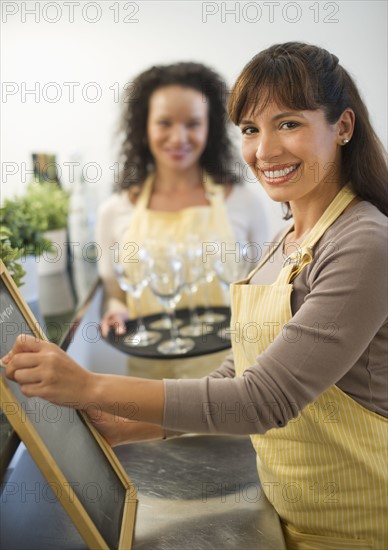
<point x="345" y="141"/>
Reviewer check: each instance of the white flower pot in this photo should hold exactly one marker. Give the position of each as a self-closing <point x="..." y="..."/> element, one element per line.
<point x="30" y="286"/>
<point x="56" y="261"/>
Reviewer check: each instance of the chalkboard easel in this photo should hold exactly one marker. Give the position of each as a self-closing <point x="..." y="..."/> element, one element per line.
<point x="78" y="464"/>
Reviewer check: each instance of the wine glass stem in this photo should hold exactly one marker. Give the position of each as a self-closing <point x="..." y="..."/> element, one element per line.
<point x="208" y="307"/>
<point x="140" y="321"/>
<point x="194" y="319"/>
<point x="226" y="291"/>
<point x="173" y="329"/>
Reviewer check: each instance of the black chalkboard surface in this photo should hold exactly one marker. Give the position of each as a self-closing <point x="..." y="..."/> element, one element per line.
<point x="80" y="467"/>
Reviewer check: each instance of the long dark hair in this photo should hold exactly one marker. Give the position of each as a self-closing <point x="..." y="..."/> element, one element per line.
<point x="137" y="162"/>
<point x="305" y="77"/>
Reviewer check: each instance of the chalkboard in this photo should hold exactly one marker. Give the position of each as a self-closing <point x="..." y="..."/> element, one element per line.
<point x="80" y="467"/>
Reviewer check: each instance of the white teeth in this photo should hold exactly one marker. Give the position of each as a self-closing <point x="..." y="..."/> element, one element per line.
<point x="279" y="173"/>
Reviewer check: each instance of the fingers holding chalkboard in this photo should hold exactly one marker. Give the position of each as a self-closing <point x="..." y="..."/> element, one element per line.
<point x="44" y="370"/>
<point x="25" y="342"/>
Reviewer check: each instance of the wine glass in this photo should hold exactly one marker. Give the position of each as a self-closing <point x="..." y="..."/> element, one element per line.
<point x="193" y="274"/>
<point x="134" y="280"/>
<point x="229" y="268"/>
<point x="209" y="251"/>
<point x="166" y="280"/>
<point x="164" y="322"/>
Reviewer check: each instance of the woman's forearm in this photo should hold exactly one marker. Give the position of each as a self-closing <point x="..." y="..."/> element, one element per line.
<point x="118" y="431"/>
<point x="44" y="370"/>
<point x="132" y="398"/>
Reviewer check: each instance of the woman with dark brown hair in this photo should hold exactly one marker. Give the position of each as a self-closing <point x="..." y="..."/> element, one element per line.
<point x="285" y="74"/>
<point x="308" y="374"/>
<point x="179" y="178"/>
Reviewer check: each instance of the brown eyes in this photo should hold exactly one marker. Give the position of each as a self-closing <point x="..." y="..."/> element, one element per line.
<point x="248" y="130"/>
<point x="288" y="125"/>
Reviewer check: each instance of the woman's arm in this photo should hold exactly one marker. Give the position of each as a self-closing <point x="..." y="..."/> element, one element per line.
<point x="226" y="369"/>
<point x="43" y="369"/>
<point x="119" y="431"/>
<point x="112" y="220"/>
<point x="342" y="313"/>
<point x="291" y="373"/>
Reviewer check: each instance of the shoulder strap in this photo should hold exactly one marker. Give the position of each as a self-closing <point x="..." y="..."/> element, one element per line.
<point x="294" y="264"/>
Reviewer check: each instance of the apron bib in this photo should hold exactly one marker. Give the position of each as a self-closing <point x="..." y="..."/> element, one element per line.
<point x="325" y="472"/>
<point x="206" y="222"/>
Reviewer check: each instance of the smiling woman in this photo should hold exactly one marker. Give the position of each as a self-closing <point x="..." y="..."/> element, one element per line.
<point x="295" y="156"/>
<point x="302" y="115"/>
<point x="179" y="180"/>
<point x="177" y="126"/>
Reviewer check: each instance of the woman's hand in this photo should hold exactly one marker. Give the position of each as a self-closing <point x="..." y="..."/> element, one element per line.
<point x="44" y="370"/>
<point x="117" y="430"/>
<point x="114" y="319"/>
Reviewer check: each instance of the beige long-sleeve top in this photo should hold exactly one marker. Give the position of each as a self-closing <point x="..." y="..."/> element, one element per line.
<point x="339" y="306"/>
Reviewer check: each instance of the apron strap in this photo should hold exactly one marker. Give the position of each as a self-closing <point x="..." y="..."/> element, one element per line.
<point x="145" y="193"/>
<point x="294" y="264"/>
<point x="266" y="256"/>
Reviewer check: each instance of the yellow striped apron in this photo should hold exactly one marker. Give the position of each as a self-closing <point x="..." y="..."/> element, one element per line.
<point x="326" y="471"/>
<point x="205" y="222"/>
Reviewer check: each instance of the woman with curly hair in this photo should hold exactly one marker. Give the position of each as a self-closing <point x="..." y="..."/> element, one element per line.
<point x="179" y="177"/>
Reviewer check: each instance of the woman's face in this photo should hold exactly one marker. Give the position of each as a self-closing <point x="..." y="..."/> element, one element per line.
<point x="293" y="154"/>
<point x="177" y="127"/>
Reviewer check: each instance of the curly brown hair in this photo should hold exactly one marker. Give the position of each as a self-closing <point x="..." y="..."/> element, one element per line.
<point x="305" y="77"/>
<point x="217" y="159"/>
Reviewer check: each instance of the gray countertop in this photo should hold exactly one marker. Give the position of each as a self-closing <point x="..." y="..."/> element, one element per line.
<point x="194" y="493"/>
<point x="200" y="492"/>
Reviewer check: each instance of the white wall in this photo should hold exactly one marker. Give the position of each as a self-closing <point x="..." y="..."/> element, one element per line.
<point x="86" y="42"/>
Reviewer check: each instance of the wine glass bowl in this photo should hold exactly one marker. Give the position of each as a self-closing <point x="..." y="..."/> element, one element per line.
<point x="133" y="281"/>
<point x="166" y="280"/>
<point x="229" y="269"/>
<point x="193" y="274"/>
<point x="209" y="275"/>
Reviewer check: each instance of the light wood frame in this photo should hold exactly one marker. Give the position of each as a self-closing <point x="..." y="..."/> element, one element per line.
<point x="46" y="463"/>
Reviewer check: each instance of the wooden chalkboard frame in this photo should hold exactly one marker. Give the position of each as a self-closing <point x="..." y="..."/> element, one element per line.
<point x="45" y="461"/>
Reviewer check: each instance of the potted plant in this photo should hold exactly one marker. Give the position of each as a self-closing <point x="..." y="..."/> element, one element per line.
<point x="11" y="256"/>
<point x="52" y="203"/>
<point x="24" y="225"/>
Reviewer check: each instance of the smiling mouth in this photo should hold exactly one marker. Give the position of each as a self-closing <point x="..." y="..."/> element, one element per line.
<point x="178" y="151"/>
<point x="280" y="173"/>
